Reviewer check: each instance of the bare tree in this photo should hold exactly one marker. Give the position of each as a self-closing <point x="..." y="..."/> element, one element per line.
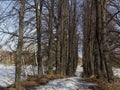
<point x="19" y="45"/>
<point x="51" y="39"/>
<point x="39" y="35"/>
<point x="96" y="52"/>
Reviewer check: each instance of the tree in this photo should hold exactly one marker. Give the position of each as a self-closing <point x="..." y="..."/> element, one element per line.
<point x="62" y="36"/>
<point x="67" y="38"/>
<point x="39" y="35"/>
<point x="72" y="40"/>
<point x="96" y="58"/>
<point x="51" y="39"/>
<point x="19" y="45"/>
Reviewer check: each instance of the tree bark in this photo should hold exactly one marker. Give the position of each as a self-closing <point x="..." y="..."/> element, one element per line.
<point x="19" y="46"/>
<point x="51" y="39"/>
<point x="96" y="61"/>
<point x="39" y="34"/>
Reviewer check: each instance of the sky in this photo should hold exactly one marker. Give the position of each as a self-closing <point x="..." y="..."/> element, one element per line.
<point x="8" y="24"/>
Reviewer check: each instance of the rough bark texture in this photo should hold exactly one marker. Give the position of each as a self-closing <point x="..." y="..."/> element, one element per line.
<point x="51" y="39"/>
<point x="95" y="51"/>
<point x="67" y="38"/>
<point x="39" y="33"/>
<point x="19" y="46"/>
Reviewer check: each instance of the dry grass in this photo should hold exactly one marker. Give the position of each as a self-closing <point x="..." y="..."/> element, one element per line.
<point x="103" y="84"/>
<point x="43" y="81"/>
<point x="55" y="76"/>
<point x="22" y="88"/>
<point x="27" y="83"/>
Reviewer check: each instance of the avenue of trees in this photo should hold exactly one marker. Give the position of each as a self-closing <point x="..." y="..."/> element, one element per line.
<point x="54" y="29"/>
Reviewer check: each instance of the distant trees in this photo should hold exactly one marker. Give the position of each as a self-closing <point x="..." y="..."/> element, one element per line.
<point x="6" y="57"/>
<point x="62" y="39"/>
<point x="67" y="38"/>
<point x="88" y="42"/>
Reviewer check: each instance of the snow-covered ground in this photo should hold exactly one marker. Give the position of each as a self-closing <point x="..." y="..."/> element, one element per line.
<point x="73" y="83"/>
<point x="7" y="75"/>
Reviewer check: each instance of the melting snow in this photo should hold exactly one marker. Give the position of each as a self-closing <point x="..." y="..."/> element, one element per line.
<point x="7" y="76"/>
<point x="73" y="83"/>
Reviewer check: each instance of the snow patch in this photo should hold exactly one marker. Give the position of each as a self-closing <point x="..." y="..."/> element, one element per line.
<point x="72" y="83"/>
<point x="7" y="74"/>
<point x="7" y="77"/>
<point x="79" y="71"/>
<point x="116" y="72"/>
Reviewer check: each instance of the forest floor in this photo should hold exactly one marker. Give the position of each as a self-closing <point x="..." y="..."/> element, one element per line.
<point x="50" y="82"/>
<point x="104" y="85"/>
<point x="56" y="82"/>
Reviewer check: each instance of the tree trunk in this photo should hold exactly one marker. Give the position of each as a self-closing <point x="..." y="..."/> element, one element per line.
<point x="19" y="46"/>
<point x="39" y="34"/>
<point x="51" y="39"/>
<point x="59" y="27"/>
<point x="95" y="56"/>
